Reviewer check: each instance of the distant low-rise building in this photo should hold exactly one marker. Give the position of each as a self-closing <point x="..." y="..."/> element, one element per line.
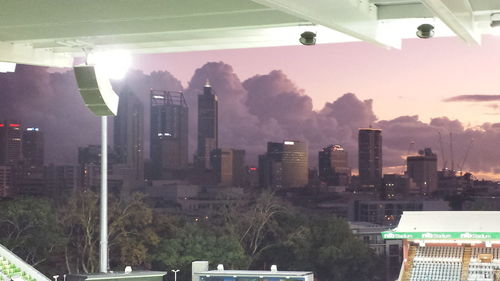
<point x="388" y="212"/>
<point x="6" y="181"/>
<point x="392" y="250"/>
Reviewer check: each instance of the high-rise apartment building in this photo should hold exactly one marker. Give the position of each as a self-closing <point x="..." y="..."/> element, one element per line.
<point x="422" y="169"/>
<point x="128" y="134"/>
<point x="32" y="148"/>
<point x="284" y="165"/>
<point x="208" y="139"/>
<point x="10" y="143"/>
<point x="169" y="133"/>
<point x="370" y="157"/>
<point x="333" y="166"/>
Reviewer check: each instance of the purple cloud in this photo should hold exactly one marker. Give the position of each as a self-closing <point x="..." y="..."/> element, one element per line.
<point x="473" y="98"/>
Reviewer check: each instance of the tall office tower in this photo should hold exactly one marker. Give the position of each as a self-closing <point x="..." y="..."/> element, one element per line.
<point x="33" y="148"/>
<point x="370" y="157"/>
<point x="208" y="139"/>
<point x="128" y="134"/>
<point x="229" y="166"/>
<point x="284" y="165"/>
<point x="333" y="166"/>
<point x="422" y="169"/>
<point x="10" y="143"/>
<point x="29" y="176"/>
<point x="169" y="133"/>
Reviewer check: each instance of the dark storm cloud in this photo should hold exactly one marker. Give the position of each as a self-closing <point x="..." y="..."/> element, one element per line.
<point x="474" y="98"/>
<point x="263" y="108"/>
<point x="451" y="149"/>
<point x="237" y="127"/>
<point x="348" y="109"/>
<point x="51" y="101"/>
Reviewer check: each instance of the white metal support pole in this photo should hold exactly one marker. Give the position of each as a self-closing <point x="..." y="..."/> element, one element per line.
<point x="104" y="195"/>
<point x="175" y="273"/>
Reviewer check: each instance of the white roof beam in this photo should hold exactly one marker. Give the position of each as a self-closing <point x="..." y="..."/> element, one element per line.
<point x="25" y="54"/>
<point x="458" y="16"/>
<point x="399" y="11"/>
<point x="356" y="18"/>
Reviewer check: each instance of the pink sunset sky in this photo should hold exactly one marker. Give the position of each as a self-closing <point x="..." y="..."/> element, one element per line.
<point x="412" y="81"/>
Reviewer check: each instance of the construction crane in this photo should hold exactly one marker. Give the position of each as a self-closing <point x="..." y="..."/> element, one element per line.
<point x="442" y="151"/>
<point x="465" y="156"/>
<point x="451" y="152"/>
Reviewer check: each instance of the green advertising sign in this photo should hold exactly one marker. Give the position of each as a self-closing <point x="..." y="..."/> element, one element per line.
<point x="440" y="235"/>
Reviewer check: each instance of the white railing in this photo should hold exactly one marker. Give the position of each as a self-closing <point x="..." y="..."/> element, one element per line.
<point x="22" y="265"/>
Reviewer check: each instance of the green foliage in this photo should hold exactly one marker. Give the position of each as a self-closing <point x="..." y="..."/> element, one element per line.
<point x="324" y="245"/>
<point x="198" y="242"/>
<point x="130" y="232"/>
<point x="252" y="234"/>
<point x="29" y="228"/>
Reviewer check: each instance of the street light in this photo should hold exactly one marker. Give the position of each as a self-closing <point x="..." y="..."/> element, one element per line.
<point x="97" y="92"/>
<point x="175" y="273"/>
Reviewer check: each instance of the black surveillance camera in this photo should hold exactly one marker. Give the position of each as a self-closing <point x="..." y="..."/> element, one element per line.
<point x="308" y="38"/>
<point x="425" y="31"/>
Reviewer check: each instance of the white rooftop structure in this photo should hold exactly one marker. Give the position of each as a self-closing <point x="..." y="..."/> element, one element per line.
<point x="200" y="272"/>
<point x="250" y="273"/>
<point x="54" y="32"/>
<point x="481" y="225"/>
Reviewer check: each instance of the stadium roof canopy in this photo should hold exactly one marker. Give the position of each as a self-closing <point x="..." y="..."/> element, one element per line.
<point x="478" y="225"/>
<point x="53" y="32"/>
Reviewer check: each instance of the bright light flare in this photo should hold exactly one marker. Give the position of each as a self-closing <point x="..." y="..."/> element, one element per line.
<point x="114" y="64"/>
<point x="7" y="67"/>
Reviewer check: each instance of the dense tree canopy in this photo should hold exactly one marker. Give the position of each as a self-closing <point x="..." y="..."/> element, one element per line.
<point x="250" y="235"/>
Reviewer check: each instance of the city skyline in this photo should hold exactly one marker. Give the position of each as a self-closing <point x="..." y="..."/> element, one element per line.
<point x="267" y="107"/>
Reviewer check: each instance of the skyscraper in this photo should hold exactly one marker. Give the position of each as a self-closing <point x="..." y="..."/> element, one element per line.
<point x="10" y="143"/>
<point x="30" y="176"/>
<point x="208" y="130"/>
<point x="32" y="147"/>
<point x="422" y="169"/>
<point x="128" y="134"/>
<point x="370" y="157"/>
<point x="284" y="165"/>
<point x="169" y="133"/>
<point x="333" y="166"/>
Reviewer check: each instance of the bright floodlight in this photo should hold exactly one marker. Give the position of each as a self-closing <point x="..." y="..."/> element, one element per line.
<point x="114" y="64"/>
<point x="7" y="67"/>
